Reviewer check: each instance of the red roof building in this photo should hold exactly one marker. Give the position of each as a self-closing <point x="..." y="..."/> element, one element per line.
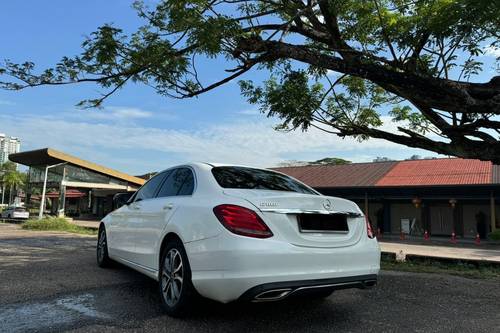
<point x="348" y="175"/>
<point x="438" y="195"/>
<point x="429" y="172"/>
<point x="452" y="171"/>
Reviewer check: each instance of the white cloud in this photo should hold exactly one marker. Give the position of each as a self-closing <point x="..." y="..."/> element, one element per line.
<point x="129" y="112"/>
<point x="249" y="112"/>
<point x="492" y="51"/>
<point x="115" y="113"/>
<point x="331" y="73"/>
<point x="251" y="142"/>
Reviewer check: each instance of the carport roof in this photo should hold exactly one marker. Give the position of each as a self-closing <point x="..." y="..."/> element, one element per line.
<point x="48" y="156"/>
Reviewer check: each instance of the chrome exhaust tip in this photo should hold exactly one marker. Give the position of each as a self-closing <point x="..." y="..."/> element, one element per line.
<point x="369" y="283"/>
<point x="272" y="295"/>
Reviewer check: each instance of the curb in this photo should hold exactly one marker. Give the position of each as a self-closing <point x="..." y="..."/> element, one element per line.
<point x="403" y="257"/>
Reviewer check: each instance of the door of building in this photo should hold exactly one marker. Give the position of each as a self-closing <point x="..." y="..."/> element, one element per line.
<point x="441" y="217"/>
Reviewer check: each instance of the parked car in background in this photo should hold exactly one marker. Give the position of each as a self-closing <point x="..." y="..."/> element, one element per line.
<point x="238" y="233"/>
<point x="13" y="212"/>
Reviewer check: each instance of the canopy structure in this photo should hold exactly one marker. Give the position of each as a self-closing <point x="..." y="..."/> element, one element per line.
<point x="82" y="187"/>
<point x="49" y="156"/>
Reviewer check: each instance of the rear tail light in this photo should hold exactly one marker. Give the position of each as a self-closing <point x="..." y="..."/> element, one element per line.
<point x="242" y="221"/>
<point x="369" y="229"/>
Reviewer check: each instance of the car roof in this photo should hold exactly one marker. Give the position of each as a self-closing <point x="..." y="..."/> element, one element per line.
<point x="209" y="165"/>
<point x="216" y="164"/>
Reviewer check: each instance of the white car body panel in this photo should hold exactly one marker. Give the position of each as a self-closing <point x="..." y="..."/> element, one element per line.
<point x="225" y="265"/>
<point x="120" y="239"/>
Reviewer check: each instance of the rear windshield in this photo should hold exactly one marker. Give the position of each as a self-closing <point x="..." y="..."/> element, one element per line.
<point x="249" y="178"/>
<point x="19" y="209"/>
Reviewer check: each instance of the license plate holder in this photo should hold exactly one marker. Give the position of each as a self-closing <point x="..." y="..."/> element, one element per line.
<point x="323" y="223"/>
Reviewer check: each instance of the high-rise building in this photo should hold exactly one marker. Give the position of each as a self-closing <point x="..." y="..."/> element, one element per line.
<point x="8" y="145"/>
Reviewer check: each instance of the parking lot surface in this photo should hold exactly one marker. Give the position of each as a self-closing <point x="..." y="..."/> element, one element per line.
<point x="49" y="282"/>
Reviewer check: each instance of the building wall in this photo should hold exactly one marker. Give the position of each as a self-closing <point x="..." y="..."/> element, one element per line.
<point x="405" y="211"/>
<point x="375" y="212"/>
<point x="470" y="218"/>
<point x="435" y="213"/>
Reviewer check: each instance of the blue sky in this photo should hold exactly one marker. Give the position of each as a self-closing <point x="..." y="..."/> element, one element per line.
<point x="139" y="131"/>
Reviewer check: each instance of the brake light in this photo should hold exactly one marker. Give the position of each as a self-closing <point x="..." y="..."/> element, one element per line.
<point x="369" y="229"/>
<point x="242" y="221"/>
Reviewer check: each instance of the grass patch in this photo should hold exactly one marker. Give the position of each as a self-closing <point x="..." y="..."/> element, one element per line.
<point x="473" y="270"/>
<point x="57" y="224"/>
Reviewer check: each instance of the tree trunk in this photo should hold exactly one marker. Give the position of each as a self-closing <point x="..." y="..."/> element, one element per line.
<point x="10" y="195"/>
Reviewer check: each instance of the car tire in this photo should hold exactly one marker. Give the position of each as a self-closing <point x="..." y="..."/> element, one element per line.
<point x="103" y="259"/>
<point x="176" y="289"/>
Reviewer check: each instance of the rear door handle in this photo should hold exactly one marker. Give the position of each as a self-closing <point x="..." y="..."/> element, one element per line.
<point x="168" y="206"/>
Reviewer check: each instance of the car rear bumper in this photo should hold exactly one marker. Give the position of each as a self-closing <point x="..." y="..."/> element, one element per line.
<point x="227" y="268"/>
<point x="276" y="291"/>
<point x="20" y="216"/>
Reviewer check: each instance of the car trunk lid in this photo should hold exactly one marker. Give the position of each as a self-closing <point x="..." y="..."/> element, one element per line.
<point x="305" y="219"/>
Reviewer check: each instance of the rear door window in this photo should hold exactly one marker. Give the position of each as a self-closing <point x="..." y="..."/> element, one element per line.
<point x="249" y="178"/>
<point x="179" y="182"/>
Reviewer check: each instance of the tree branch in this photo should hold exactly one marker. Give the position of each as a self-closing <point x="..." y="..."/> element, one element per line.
<point x="436" y="93"/>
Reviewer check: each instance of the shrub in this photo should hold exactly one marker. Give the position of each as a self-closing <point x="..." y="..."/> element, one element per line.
<point x="495" y="235"/>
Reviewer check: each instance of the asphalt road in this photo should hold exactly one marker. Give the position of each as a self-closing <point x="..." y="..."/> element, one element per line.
<point x="49" y="282"/>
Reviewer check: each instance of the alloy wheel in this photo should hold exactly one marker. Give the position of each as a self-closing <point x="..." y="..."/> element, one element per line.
<point x="101" y="245"/>
<point x="172" y="277"/>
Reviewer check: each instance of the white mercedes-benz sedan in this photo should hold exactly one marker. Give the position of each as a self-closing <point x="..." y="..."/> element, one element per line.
<point x="231" y="233"/>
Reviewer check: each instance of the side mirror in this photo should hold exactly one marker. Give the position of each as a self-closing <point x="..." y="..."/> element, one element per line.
<point x="121" y="199"/>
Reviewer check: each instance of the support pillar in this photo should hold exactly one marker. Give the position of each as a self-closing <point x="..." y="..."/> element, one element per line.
<point x="387" y="216"/>
<point x="366" y="204"/>
<point x="62" y="196"/>
<point x="42" y="200"/>
<point x="492" y="211"/>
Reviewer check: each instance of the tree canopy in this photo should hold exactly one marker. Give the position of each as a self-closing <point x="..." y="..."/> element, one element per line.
<point x="345" y="67"/>
<point x="330" y="161"/>
<point x="14" y="178"/>
<point x="323" y="161"/>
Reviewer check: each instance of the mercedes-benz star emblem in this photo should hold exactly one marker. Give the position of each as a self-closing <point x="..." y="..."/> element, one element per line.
<point x="327" y="204"/>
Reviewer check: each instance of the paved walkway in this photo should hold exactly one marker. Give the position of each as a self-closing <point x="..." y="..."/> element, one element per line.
<point x="447" y="252"/>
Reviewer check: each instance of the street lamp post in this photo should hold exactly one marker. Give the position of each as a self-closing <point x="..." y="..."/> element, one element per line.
<point x="42" y="202"/>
